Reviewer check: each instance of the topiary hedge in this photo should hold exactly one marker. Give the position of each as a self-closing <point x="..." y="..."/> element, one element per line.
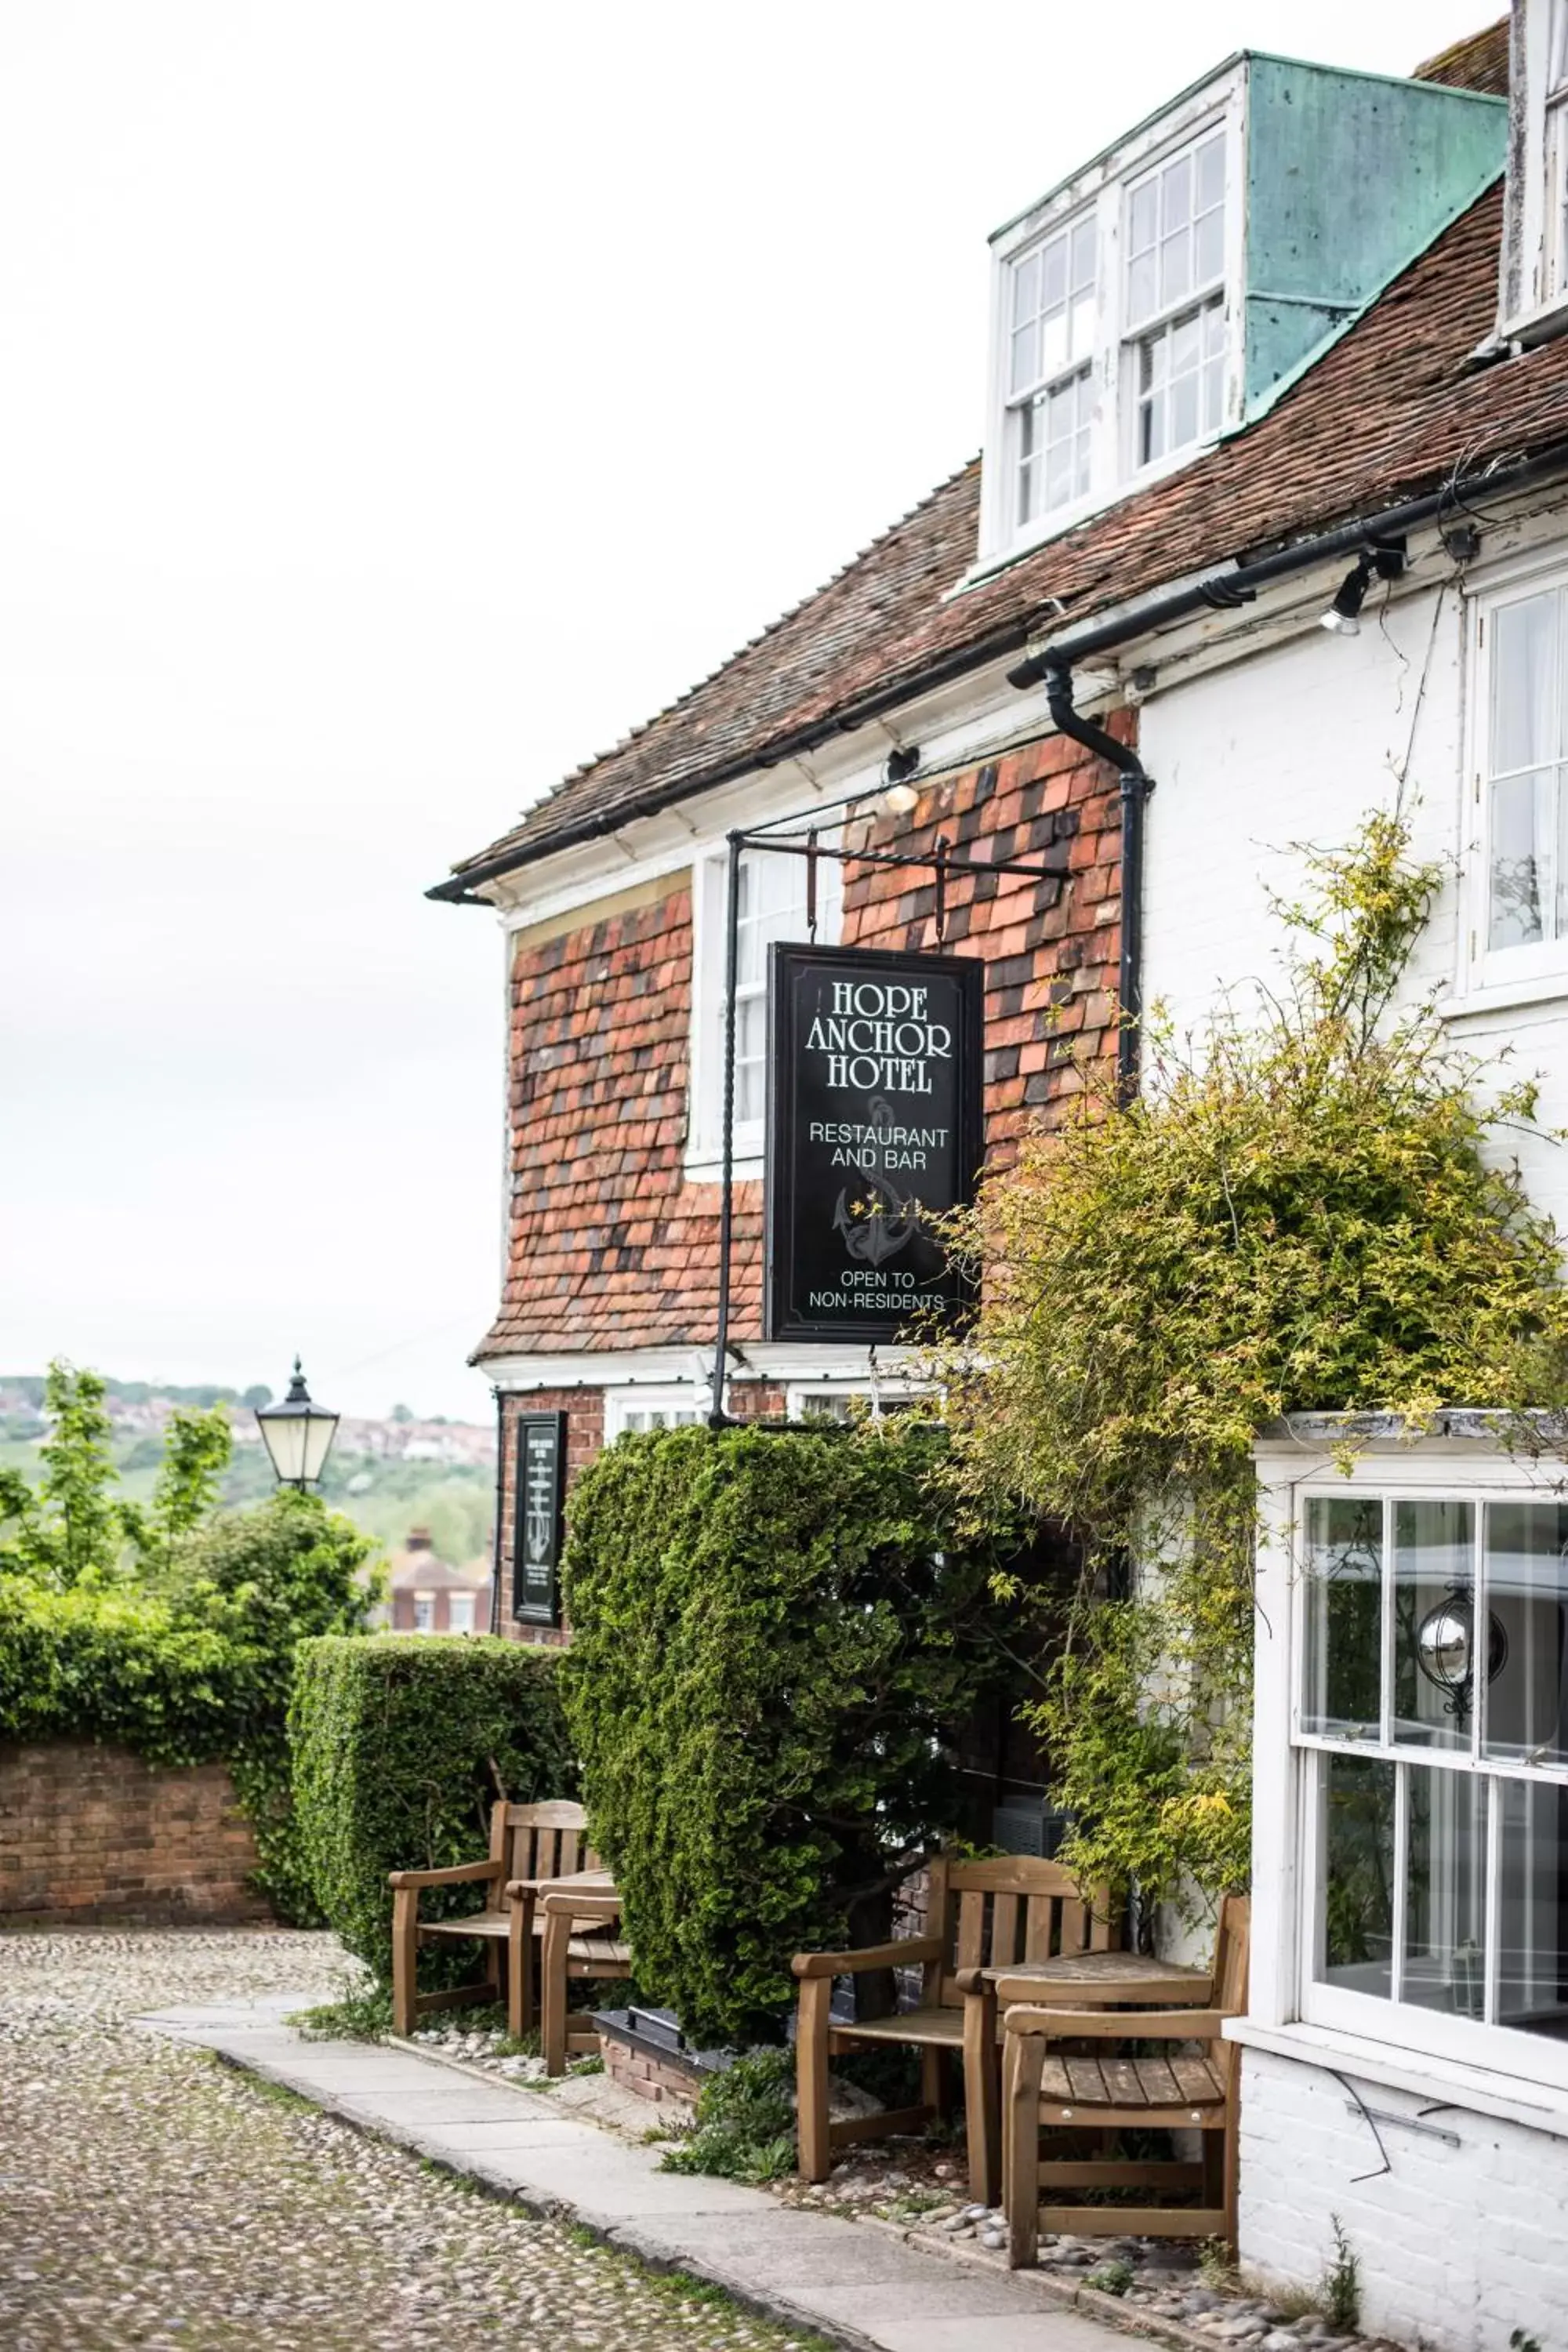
<point x="773" y="1634"/>
<point x="400" y="1744"/>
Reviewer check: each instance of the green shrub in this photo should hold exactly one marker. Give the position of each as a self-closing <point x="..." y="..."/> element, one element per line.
<point x="198" y="1671"/>
<point x="773" y="1634"/>
<point x="400" y="1744"/>
<point x="746" y="2122"/>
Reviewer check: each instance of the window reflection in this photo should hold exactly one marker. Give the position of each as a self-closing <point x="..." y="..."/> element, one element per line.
<point x="1532" y="1909"/>
<point x="1358" y="1874"/>
<point x="1434" y="1622"/>
<point x="1445" y="1893"/>
<point x="1527" y="1594"/>
<point x="1344" y="1616"/>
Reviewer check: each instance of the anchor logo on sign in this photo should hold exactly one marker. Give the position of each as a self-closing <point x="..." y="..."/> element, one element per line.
<point x="876" y="1224"/>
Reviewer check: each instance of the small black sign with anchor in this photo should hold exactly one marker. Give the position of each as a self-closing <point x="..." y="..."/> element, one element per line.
<point x="874" y="1122"/>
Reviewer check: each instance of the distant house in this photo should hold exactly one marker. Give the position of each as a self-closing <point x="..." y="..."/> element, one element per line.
<point x="427" y="1595"/>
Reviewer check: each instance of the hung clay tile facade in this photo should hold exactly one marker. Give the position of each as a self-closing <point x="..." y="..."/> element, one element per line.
<point x="611" y="1246"/>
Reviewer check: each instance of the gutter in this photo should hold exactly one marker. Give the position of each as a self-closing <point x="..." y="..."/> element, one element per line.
<point x="1235" y="585"/>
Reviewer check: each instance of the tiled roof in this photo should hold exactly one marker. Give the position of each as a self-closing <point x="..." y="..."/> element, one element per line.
<point x="1478" y="62"/>
<point x="1390" y="411"/>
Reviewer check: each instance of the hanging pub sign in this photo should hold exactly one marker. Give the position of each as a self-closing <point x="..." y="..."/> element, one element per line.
<point x="536" y="1528"/>
<point x="874" y="1066"/>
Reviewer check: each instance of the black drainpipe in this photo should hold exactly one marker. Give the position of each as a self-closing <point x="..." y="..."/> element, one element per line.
<point x="1136" y="787"/>
<point x="501" y="1491"/>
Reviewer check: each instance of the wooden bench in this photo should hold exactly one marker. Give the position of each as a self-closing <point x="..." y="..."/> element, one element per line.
<point x="1050" y="2083"/>
<point x="985" y="1915"/>
<point x="528" y="1843"/>
<point x="578" y="1944"/>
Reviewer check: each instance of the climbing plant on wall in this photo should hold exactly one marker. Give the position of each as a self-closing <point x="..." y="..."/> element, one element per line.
<point x="1307" y="1210"/>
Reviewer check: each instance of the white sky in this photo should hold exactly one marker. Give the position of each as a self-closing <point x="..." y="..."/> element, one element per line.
<point x="396" y="402"/>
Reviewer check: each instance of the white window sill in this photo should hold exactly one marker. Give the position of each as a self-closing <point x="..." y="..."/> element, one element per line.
<point x="708" y="1168"/>
<point x="1502" y="995"/>
<point x="1442" y="2081"/>
<point x="1062" y="519"/>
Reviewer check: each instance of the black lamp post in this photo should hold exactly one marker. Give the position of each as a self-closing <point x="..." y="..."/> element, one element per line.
<point x="298" y="1434"/>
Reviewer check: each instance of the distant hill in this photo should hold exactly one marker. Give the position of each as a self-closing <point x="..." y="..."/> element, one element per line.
<point x="389" y="1475"/>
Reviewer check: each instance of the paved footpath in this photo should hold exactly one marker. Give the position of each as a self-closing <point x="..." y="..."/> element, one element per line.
<point x="153" y="2199"/>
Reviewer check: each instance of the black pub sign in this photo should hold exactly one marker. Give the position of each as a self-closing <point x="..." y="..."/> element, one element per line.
<point x="874" y="1072"/>
<point x="536" y="1528"/>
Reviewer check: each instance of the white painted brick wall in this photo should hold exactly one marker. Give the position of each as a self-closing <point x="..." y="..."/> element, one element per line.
<point x="1457" y="2246"/>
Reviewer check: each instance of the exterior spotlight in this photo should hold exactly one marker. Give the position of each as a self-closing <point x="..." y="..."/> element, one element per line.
<point x="900" y="796"/>
<point x="298" y="1434"/>
<point x="1344" y="615"/>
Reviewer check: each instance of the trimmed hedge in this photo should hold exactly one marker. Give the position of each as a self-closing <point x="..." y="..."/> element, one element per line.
<point x="401" y="1744"/>
<point x="774" y="1635"/>
<point x="198" y="1672"/>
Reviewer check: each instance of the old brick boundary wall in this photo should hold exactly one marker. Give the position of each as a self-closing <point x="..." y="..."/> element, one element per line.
<point x="92" y="1837"/>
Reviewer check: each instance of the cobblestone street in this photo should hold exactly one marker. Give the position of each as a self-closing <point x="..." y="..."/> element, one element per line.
<point x="150" y="2197"/>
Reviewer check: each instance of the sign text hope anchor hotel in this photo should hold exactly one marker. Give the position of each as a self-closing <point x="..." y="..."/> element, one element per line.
<point x="875" y="1126"/>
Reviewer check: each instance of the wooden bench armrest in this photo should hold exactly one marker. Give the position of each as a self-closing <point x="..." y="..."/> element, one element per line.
<point x="901" y="1954"/>
<point x="1032" y="1993"/>
<point x="583" y="1906"/>
<point x="459" y="1875"/>
<point x="1124" y="2025"/>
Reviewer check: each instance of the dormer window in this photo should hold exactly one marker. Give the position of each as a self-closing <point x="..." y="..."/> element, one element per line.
<point x="1175" y="299"/>
<point x="1050" y="371"/>
<point x="1142" y="308"/>
<point x="1533" y="294"/>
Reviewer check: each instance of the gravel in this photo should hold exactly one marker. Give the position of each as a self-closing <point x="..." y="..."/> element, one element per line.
<point x="154" y="2198"/>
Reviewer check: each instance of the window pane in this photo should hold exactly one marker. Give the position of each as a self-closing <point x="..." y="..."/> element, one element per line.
<point x="1433" y="1624"/>
<point x="1521" y="833"/>
<point x="1175" y="267"/>
<point x="1357" y="1917"/>
<point x="1054" y="274"/>
<point x="1184" y="338"/>
<point x="1184" y="411"/>
<point x="1081" y="323"/>
<point x="1026" y="355"/>
<point x="1025" y="290"/>
<point x="1210" y="248"/>
<point x="1532" y="1909"/>
<point x="1445" y="1893"/>
<point x="1525" y="664"/>
<point x="1211" y="174"/>
<point x="1053" y="342"/>
<point x="1142" y="284"/>
<point x="1143" y="216"/>
<point x="1177" y="195"/>
<point x="1213" y="404"/>
<point x="1343" y="1662"/>
<point x="1083" y="257"/>
<point x="1526" y="1708"/>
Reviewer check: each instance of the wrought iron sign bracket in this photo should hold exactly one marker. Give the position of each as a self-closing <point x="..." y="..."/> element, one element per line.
<point x="943" y="860"/>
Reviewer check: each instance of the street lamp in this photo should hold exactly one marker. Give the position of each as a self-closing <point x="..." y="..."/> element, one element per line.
<point x="298" y="1434"/>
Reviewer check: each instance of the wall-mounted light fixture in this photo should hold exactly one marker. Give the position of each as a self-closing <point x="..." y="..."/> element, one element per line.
<point x="1374" y="562"/>
<point x="900" y="796"/>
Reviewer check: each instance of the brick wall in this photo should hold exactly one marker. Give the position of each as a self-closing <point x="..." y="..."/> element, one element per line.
<point x="92" y="1834"/>
<point x="1430" y="2274"/>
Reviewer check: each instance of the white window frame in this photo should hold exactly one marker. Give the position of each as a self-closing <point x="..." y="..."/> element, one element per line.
<point x="469" y="1600"/>
<point x="1198" y="301"/>
<point x="1075" y="376"/>
<point x="631" y="1408"/>
<point x="1534" y="295"/>
<point x="1539" y="969"/>
<point x="1287" y="1831"/>
<point x="802" y="1396"/>
<point x="1104" y="190"/>
<point x="705" y="1120"/>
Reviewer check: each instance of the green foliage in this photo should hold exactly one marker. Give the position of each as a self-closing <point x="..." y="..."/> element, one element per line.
<point x="1297" y="1215"/>
<point x="70" y="1531"/>
<point x="195" y="1671"/>
<point x="195" y="1454"/>
<point x="400" y="1744"/>
<point x="1114" y="2277"/>
<point x="744" y="2128"/>
<point x="362" y="2016"/>
<point x="1341" y="2292"/>
<point x="772" y="1634"/>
